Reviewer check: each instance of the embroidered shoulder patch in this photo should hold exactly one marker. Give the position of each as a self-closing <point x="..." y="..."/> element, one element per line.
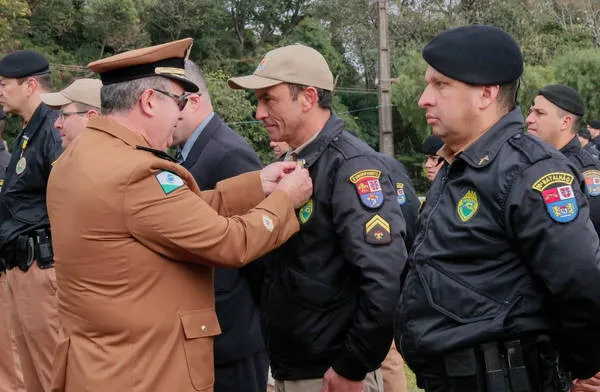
<point x="168" y="181"/>
<point x="305" y="212"/>
<point x="377" y="231"/>
<point x="560" y="200"/>
<point x="400" y="193"/>
<point x="268" y="223"/>
<point x="368" y="187"/>
<point x="592" y="181"/>
<point x="467" y="206"/>
<point x="551" y="179"/>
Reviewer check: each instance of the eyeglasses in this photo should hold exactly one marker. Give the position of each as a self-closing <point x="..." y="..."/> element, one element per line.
<point x="180" y="100"/>
<point x="62" y="115"/>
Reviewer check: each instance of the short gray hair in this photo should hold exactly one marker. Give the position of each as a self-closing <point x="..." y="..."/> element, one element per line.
<point x="194" y="73"/>
<point x="122" y="97"/>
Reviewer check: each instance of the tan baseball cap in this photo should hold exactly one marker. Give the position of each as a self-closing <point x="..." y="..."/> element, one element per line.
<point x="296" y="64"/>
<point x="85" y="91"/>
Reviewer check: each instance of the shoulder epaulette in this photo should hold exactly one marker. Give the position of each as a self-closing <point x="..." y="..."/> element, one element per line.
<point x="158" y="153"/>
<point x="532" y="148"/>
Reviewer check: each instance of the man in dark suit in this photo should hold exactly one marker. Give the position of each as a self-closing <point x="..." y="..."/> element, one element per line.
<point x="212" y="152"/>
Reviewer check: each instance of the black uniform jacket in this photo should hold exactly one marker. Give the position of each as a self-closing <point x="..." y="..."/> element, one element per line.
<point x="331" y="289"/>
<point x="592" y="149"/>
<point x="590" y="168"/>
<point x="505" y="248"/>
<point x="220" y="153"/>
<point x="405" y="194"/>
<point x="23" y="197"/>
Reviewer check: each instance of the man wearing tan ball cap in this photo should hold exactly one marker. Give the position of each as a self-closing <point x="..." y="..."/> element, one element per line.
<point x="330" y="292"/>
<point x="77" y="104"/>
<point x="136" y="240"/>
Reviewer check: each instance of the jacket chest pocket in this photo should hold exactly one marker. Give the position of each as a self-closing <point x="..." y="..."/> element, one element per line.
<point x="455" y="298"/>
<point x="199" y="328"/>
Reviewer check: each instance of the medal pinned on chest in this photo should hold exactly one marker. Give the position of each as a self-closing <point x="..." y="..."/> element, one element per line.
<point x="22" y="162"/>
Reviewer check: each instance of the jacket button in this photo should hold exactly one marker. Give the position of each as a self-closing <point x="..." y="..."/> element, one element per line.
<point x="203" y="328"/>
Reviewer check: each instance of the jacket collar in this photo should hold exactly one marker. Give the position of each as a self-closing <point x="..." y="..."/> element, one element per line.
<point x="38" y="117"/>
<point x="207" y="133"/>
<point x="114" y="128"/>
<point x="333" y="127"/>
<point x="572" y="147"/>
<point x="485" y="149"/>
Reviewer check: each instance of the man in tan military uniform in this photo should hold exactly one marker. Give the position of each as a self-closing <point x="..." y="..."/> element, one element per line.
<point x="135" y="239"/>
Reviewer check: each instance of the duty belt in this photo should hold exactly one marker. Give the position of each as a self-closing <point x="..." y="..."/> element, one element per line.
<point x="23" y="250"/>
<point x="529" y="365"/>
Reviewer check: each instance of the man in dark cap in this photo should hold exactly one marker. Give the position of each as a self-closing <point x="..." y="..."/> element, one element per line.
<point x="136" y="240"/>
<point x="554" y="117"/>
<point x="433" y="162"/>
<point x="25" y="243"/>
<point x="505" y="236"/>
<point x="594" y="128"/>
<point x="585" y="138"/>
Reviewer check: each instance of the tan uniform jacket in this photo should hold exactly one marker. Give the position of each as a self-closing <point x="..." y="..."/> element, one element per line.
<point x="134" y="262"/>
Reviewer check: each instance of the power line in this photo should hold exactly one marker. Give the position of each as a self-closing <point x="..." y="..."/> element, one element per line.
<point x="346" y="112"/>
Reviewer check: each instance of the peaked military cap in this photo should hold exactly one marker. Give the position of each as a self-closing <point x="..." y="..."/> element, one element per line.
<point x="476" y="55"/>
<point x="23" y="63"/>
<point x="167" y="60"/>
<point x="565" y="97"/>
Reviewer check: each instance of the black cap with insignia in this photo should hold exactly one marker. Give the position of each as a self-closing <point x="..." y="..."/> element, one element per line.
<point x="23" y="63"/>
<point x="432" y="145"/>
<point x="476" y="55"/>
<point x="594" y="124"/>
<point x="565" y="97"/>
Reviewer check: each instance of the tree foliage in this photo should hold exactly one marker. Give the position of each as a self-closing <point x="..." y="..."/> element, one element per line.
<point x="559" y="40"/>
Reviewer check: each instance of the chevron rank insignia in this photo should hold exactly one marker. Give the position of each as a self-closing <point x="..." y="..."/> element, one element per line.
<point x="557" y="194"/>
<point x="368" y="187"/>
<point x="168" y="181"/>
<point x="592" y="181"/>
<point x="377" y="231"/>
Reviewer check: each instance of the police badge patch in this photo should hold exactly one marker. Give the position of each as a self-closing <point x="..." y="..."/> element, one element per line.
<point x="305" y="212"/>
<point x="560" y="200"/>
<point x="592" y="181"/>
<point x="168" y="181"/>
<point x="368" y="187"/>
<point x="400" y="195"/>
<point x="377" y="231"/>
<point x="467" y="206"/>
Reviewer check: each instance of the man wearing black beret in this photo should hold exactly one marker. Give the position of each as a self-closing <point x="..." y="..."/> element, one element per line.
<point x="505" y="235"/>
<point x="594" y="128"/>
<point x="554" y="117"/>
<point x="25" y="244"/>
<point x="585" y="138"/>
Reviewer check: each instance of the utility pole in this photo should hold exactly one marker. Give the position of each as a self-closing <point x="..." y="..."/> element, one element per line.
<point x="386" y="133"/>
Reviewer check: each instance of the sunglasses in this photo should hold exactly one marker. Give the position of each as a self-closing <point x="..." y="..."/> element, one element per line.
<point x="180" y="100"/>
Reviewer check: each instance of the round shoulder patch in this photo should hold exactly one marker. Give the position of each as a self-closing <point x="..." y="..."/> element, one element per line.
<point x="592" y="182"/>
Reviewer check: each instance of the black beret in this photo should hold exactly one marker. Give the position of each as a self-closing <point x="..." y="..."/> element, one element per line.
<point x="564" y="97"/>
<point x="23" y="63"/>
<point x="432" y="145"/>
<point x="584" y="133"/>
<point x="594" y="124"/>
<point x="476" y="55"/>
